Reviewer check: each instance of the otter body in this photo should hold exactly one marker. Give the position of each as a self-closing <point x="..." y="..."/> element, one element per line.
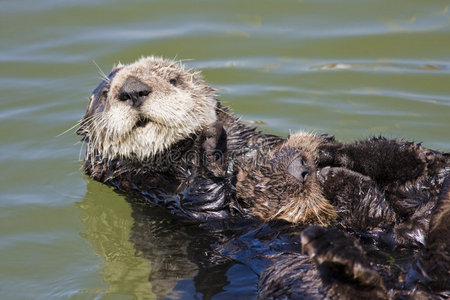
<point x="156" y="130"/>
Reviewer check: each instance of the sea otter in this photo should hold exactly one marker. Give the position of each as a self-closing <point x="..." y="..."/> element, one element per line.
<point x="156" y="130"/>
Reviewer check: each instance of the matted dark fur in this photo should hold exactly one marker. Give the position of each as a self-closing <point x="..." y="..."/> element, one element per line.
<point x="369" y="195"/>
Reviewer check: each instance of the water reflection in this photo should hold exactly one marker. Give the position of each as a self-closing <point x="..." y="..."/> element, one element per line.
<point x="108" y="223"/>
<point x="149" y="254"/>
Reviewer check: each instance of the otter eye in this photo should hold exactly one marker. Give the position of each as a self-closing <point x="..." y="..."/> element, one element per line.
<point x="105" y="93"/>
<point x="173" y="81"/>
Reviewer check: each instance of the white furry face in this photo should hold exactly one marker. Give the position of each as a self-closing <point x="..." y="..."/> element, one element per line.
<point x="143" y="108"/>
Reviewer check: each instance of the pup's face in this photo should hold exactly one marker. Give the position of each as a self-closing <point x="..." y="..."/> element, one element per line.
<point x="143" y="108"/>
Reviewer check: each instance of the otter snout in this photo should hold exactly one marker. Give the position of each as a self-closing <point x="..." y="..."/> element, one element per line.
<point x="299" y="169"/>
<point x="134" y="91"/>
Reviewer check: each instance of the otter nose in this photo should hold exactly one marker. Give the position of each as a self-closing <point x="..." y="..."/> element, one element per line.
<point x="134" y="91"/>
<point x="299" y="169"/>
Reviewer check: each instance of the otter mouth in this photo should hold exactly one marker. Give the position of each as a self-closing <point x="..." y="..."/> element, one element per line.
<point x="142" y="122"/>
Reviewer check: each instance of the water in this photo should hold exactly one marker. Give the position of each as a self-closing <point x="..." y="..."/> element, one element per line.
<point x="349" y="68"/>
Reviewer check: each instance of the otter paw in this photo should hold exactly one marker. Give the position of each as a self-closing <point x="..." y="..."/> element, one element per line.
<point x="339" y="257"/>
<point x="330" y="173"/>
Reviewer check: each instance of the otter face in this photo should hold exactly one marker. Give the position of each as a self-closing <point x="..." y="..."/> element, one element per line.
<point x="143" y="108"/>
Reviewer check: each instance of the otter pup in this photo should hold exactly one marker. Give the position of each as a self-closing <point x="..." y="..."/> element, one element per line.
<point x="156" y="130"/>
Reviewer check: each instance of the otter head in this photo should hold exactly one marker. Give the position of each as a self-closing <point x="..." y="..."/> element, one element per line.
<point x="143" y="108"/>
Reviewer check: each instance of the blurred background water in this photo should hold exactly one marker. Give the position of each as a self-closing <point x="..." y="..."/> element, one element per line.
<point x="348" y="68"/>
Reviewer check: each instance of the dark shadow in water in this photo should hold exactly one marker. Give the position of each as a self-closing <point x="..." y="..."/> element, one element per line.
<point x="182" y="256"/>
<point x="223" y="259"/>
<point x="180" y="251"/>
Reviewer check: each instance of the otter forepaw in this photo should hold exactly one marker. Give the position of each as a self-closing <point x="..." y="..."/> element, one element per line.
<point x="339" y="258"/>
<point x="330" y="173"/>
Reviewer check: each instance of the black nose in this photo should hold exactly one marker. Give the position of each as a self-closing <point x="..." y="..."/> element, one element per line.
<point x="134" y="91"/>
<point x="299" y="169"/>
